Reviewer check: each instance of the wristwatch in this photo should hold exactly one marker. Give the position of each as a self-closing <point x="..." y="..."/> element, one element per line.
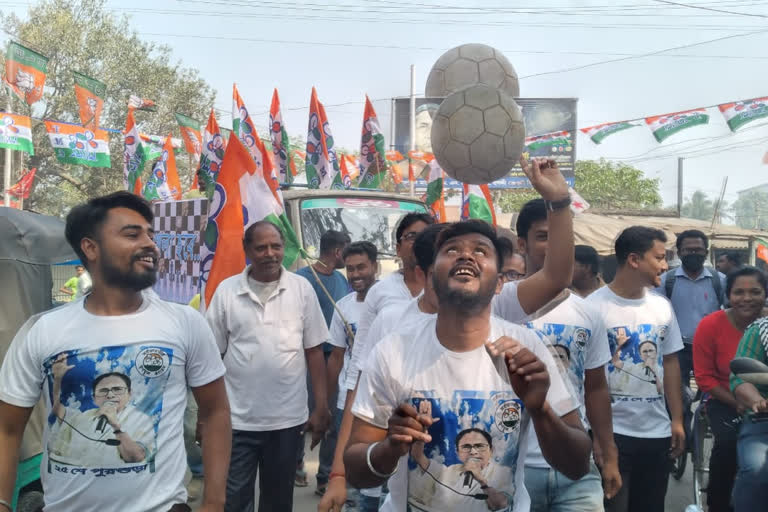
<point x="559" y="204"/>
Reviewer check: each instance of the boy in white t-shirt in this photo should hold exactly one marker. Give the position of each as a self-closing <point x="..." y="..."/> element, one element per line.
<point x="579" y="341"/>
<point x="461" y="400"/>
<point x="644" y="374"/>
<point x="113" y="369"/>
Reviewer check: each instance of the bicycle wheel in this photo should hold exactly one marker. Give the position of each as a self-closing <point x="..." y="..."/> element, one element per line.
<point x="678" y="466"/>
<point x="702" y="448"/>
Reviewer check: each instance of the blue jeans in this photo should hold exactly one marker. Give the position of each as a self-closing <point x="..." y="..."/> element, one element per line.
<point x="750" y="492"/>
<point x="551" y="491"/>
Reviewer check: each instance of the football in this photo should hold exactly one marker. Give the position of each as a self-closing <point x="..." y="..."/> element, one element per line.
<point x="478" y="134"/>
<point x="471" y="64"/>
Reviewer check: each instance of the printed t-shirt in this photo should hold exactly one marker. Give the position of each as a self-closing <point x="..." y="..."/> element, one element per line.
<point x="351" y="308"/>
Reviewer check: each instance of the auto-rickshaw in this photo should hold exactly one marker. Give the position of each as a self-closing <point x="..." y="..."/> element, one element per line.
<point x="29" y="244"/>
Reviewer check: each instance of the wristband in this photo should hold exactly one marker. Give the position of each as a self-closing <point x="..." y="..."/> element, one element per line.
<point x="6" y="505"/>
<point x="559" y="204"/>
<point x="118" y="431"/>
<point x="370" y="466"/>
<point x="334" y="474"/>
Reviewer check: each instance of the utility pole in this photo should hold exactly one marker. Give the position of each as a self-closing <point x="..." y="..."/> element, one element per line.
<point x="679" y="186"/>
<point x="7" y="164"/>
<point x="413" y="123"/>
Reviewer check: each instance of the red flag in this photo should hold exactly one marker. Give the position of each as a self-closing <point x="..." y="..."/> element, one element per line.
<point x="22" y="188"/>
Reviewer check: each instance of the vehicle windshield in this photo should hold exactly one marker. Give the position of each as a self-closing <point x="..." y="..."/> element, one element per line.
<point x="373" y="220"/>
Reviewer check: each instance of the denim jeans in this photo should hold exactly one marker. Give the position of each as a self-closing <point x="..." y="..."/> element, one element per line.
<point x="750" y="492"/>
<point x="551" y="491"/>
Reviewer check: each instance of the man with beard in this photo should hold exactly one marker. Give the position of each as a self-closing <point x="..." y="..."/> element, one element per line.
<point x="270" y="331"/>
<point x="695" y="291"/>
<point x="88" y="351"/>
<point x="476" y="372"/>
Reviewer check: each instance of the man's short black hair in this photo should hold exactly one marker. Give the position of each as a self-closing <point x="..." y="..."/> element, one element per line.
<point x="587" y="255"/>
<point x="248" y="236"/>
<point x="85" y="220"/>
<point x="466" y="431"/>
<point x="364" y="248"/>
<point x="745" y="272"/>
<point x="734" y="257"/>
<point x="691" y="233"/>
<point x="507" y="248"/>
<point x="468" y="227"/>
<point x="638" y="240"/>
<point x="424" y="246"/>
<point x="410" y="219"/>
<point x="123" y="376"/>
<point x="533" y="211"/>
<point x="79" y="266"/>
<point x="332" y="240"/>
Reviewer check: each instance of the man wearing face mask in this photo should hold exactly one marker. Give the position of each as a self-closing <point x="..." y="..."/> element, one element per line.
<point x="695" y="291"/>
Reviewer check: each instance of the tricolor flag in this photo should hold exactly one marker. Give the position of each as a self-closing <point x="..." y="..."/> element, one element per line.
<point x="163" y="183"/>
<point x="16" y="133"/>
<point x="321" y="166"/>
<point x="476" y="203"/>
<point x="25" y="72"/>
<point x="245" y="130"/>
<point x="190" y="133"/>
<point x="154" y="144"/>
<point x="599" y="132"/>
<point x="372" y="165"/>
<point x="139" y="103"/>
<point x="742" y="112"/>
<point x="435" y="198"/>
<point x="90" y="95"/>
<point x="280" y="143"/>
<point x="134" y="156"/>
<point x="666" y="125"/>
<point x="73" y="144"/>
<point x="240" y="178"/>
<point x="547" y="140"/>
<point x="212" y="154"/>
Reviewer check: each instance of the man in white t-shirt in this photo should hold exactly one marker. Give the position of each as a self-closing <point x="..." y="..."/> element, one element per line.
<point x="113" y="369"/>
<point x="467" y="374"/>
<point x="579" y="341"/>
<point x="643" y="375"/>
<point x="270" y="330"/>
<point x="397" y="317"/>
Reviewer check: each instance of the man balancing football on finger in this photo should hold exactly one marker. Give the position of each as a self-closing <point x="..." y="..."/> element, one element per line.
<point x="446" y="419"/>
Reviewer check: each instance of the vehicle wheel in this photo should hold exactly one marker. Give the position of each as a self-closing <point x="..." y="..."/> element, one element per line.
<point x="30" y="502"/>
<point x="678" y="465"/>
<point x="703" y="441"/>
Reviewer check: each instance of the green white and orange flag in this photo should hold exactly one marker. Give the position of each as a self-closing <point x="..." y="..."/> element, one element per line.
<point x="739" y="113"/>
<point x="25" y="72"/>
<point x="90" y="95"/>
<point x="435" y="197"/>
<point x="212" y="154"/>
<point x="373" y="167"/>
<point x="190" y="133"/>
<point x="73" y="144"/>
<point x="134" y="156"/>
<point x="163" y="183"/>
<point x="560" y="139"/>
<point x="476" y="203"/>
<point x="16" y="133"/>
<point x="280" y="142"/>
<point x="666" y="125"/>
<point x="321" y="166"/>
<point x="239" y="184"/>
<point x="599" y="132"/>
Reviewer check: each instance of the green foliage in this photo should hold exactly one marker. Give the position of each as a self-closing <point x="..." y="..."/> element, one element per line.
<point x="751" y="210"/>
<point x="605" y="185"/>
<point x="84" y="36"/>
<point x="699" y="206"/>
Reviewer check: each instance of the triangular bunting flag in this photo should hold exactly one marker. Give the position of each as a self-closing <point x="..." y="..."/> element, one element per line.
<point x="664" y="126"/>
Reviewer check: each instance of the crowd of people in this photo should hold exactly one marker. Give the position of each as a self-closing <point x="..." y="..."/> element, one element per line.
<point x="485" y="374"/>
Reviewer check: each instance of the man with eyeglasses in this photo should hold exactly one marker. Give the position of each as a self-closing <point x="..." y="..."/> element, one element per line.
<point x="73" y="434"/>
<point x="513" y="268"/>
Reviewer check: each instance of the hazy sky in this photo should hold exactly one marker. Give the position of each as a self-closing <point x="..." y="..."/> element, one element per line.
<point x="350" y="48"/>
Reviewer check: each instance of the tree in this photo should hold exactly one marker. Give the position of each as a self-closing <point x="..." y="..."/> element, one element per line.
<point x="699" y="206"/>
<point x="605" y="185"/>
<point x="84" y="36"/>
<point x="751" y="210"/>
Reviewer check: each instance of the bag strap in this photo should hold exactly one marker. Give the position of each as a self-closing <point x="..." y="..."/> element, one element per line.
<point x="669" y="283"/>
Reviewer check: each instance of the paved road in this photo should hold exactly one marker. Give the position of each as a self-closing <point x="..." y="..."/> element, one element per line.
<point x="679" y="494"/>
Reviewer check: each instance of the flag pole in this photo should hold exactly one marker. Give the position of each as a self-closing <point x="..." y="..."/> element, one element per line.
<point x="412" y="120"/>
<point x="7" y="164"/>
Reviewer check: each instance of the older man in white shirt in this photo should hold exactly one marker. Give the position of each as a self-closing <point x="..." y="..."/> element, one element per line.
<point x="270" y="330"/>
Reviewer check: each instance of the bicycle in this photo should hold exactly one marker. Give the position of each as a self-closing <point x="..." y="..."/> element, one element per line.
<point x="702" y="443"/>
